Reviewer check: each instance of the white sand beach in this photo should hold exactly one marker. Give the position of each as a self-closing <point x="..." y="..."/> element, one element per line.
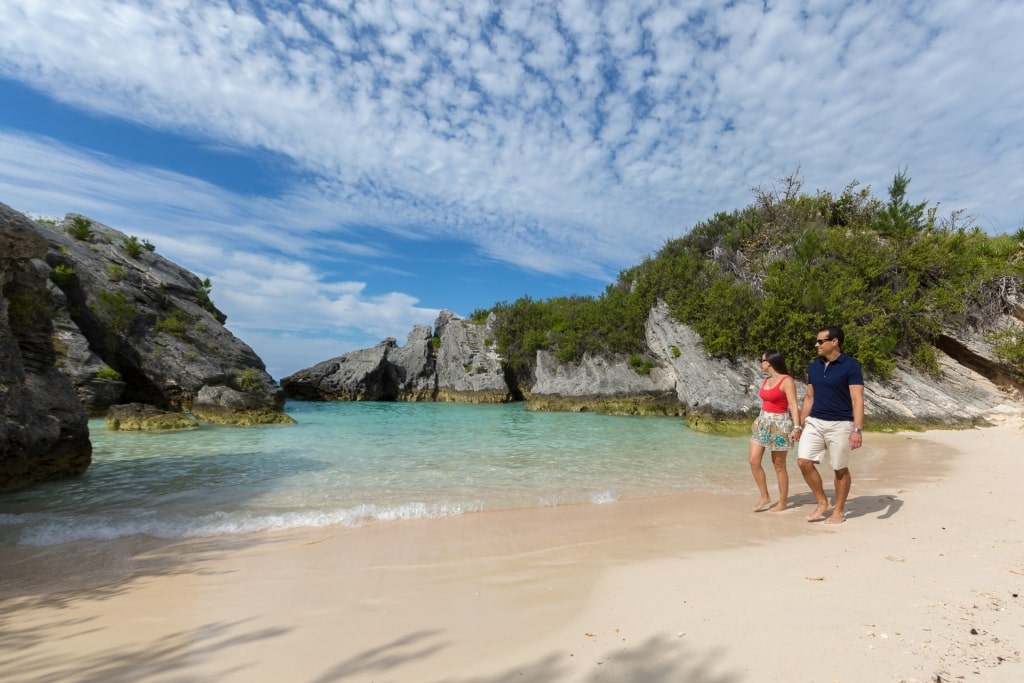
<point x="922" y="583"/>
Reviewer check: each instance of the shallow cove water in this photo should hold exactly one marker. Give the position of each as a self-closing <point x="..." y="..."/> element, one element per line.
<point x="349" y="463"/>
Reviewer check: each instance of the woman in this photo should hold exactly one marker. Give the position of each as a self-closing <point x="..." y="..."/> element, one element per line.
<point x="775" y="428"/>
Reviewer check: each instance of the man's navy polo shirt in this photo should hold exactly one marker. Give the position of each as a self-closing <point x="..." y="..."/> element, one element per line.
<point x="832" y="387"/>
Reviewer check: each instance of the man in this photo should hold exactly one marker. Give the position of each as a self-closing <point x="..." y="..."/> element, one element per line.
<point x="831" y="420"/>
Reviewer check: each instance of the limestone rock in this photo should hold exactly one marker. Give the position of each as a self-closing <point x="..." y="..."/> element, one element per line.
<point x="454" y="363"/>
<point x="361" y="375"/>
<point x="224" y="405"/>
<point x="468" y="368"/>
<point x="45" y="431"/>
<point x="135" y="327"/>
<point x="139" y="417"/>
<point x="607" y="385"/>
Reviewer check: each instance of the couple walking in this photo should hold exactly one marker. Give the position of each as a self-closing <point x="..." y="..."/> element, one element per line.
<point x="829" y="423"/>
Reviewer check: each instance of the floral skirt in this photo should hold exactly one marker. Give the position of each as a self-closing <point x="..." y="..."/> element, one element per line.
<point x="772" y="431"/>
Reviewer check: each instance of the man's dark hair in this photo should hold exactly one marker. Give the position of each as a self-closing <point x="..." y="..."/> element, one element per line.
<point x="834" y="333"/>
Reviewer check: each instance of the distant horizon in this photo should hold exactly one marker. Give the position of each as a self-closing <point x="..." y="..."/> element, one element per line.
<point x="341" y="176"/>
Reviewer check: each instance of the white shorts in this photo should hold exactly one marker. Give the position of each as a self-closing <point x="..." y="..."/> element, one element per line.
<point x="821" y="437"/>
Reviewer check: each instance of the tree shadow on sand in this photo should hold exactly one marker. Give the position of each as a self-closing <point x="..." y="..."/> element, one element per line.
<point x="657" y="659"/>
<point x="86" y="571"/>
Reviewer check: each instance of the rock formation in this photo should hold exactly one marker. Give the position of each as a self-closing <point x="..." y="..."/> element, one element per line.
<point x="45" y="433"/>
<point x="91" y="318"/>
<point x="454" y="363"/>
<point x="134" y="327"/>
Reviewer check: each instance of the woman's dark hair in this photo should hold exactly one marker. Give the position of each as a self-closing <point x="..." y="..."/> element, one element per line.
<point x="777" y="360"/>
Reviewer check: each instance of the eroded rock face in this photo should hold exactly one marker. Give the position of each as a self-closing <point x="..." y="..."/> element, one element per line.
<point x="454" y="363"/>
<point x="45" y="430"/>
<point x="467" y="366"/>
<point x="606" y="385"/>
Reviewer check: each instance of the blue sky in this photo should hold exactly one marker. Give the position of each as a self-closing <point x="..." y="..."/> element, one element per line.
<point x="342" y="170"/>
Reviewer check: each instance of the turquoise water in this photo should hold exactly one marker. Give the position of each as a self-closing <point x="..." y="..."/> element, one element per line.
<point x="349" y="463"/>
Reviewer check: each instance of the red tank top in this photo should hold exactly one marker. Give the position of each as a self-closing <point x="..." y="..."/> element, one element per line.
<point x="775" y="400"/>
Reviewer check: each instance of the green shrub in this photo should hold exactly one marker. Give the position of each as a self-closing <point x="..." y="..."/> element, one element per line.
<point x="116" y="272"/>
<point x="174" y="323"/>
<point x="436" y="341"/>
<point x="479" y="316"/>
<point x="203" y="295"/>
<point x="108" y="374"/>
<point x="641" y="365"/>
<point x="675" y="352"/>
<point x="117" y="310"/>
<point x="1008" y="345"/>
<point x="80" y="228"/>
<point x="62" y="275"/>
<point x="28" y="308"/>
<point x="132" y="246"/>
<point x="248" y="380"/>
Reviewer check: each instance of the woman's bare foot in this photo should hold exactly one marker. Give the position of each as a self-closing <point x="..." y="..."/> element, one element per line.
<point x="819" y="513"/>
<point x="779" y="507"/>
<point x="762" y="504"/>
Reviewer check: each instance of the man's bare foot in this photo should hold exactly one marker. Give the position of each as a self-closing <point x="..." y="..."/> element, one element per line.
<point x="837" y="517"/>
<point x="818" y="514"/>
<point x="779" y="507"/>
<point x="762" y="504"/>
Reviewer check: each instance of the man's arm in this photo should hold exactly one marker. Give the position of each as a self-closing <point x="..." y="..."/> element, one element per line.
<point x="805" y="407"/>
<point x="857" y="397"/>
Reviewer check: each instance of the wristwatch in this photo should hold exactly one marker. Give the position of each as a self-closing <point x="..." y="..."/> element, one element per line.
<point x="858" y="430"/>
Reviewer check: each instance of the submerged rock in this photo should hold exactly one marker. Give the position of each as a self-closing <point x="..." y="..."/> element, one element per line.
<point x="139" y="417"/>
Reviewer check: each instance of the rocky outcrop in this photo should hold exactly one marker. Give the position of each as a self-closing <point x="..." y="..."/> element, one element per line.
<point x="139" y="417"/>
<point x="133" y="327"/>
<point x="605" y="385"/>
<point x="468" y="369"/>
<point x="45" y="430"/>
<point x="454" y="363"/>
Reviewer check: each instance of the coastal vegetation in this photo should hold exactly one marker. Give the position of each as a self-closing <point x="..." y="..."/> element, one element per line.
<point x="80" y="228"/>
<point x="892" y="272"/>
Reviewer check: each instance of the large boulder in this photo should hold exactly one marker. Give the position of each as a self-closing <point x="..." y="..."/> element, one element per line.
<point x="220" y="404"/>
<point x="45" y="430"/>
<point x="134" y="327"/>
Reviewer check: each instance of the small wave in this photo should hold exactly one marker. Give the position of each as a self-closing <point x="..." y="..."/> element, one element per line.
<point x="605" y="497"/>
<point x="40" y="532"/>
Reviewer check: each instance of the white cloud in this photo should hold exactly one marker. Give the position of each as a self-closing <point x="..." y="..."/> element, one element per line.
<point x="263" y="276"/>
<point x="560" y="137"/>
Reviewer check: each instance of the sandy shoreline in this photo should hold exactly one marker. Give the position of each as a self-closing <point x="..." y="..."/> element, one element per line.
<point x="921" y="582"/>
